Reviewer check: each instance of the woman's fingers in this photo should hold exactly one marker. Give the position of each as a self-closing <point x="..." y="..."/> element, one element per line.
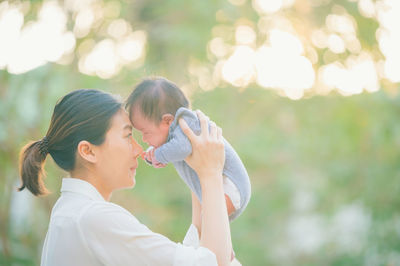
<point x="213" y="130"/>
<point x="203" y="123"/>
<point x="188" y="132"/>
<point x="207" y="148"/>
<point x="219" y="133"/>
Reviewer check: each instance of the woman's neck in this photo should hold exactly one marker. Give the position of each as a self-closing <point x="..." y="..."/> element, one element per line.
<point x="94" y="180"/>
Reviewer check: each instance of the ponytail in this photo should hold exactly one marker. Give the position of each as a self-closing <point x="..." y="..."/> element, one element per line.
<point x="32" y="158"/>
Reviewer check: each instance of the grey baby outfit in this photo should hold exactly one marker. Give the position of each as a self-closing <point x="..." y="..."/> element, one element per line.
<point x="178" y="147"/>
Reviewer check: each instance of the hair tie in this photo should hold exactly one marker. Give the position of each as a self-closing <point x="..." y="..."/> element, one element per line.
<point x="44" y="146"/>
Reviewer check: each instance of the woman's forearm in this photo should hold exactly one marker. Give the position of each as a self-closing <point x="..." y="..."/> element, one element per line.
<point x="196" y="213"/>
<point x="207" y="159"/>
<point x="214" y="221"/>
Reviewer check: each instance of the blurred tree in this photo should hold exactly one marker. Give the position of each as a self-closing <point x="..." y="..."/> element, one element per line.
<point x="324" y="169"/>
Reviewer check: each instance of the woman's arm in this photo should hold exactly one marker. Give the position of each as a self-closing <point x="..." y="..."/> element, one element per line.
<point x="196" y="213"/>
<point x="115" y="237"/>
<point x="207" y="159"/>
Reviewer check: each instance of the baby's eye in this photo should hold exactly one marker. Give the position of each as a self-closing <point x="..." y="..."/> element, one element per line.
<point x="129" y="135"/>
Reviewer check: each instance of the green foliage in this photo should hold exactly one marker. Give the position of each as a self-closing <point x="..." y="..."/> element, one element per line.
<point x="324" y="170"/>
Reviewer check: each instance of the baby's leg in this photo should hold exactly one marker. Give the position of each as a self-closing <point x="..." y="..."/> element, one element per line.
<point x="232" y="195"/>
<point x="229" y="205"/>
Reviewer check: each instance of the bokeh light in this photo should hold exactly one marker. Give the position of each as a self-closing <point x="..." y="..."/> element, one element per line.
<point x="27" y="47"/>
<point x="388" y="36"/>
<point x="307" y="91"/>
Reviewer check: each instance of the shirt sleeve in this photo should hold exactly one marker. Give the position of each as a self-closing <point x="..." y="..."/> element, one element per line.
<point x="192" y="237"/>
<point x="116" y="237"/>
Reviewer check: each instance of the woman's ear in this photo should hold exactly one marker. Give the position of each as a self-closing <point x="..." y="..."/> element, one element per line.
<point x="85" y="150"/>
<point x="167" y="119"/>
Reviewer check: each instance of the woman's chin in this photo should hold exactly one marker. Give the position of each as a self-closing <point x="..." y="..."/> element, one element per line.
<point x="133" y="182"/>
<point x="132" y="178"/>
<point x="130" y="184"/>
<point x="129" y="181"/>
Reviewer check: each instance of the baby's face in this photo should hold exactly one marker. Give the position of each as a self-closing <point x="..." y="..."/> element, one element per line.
<point x="152" y="134"/>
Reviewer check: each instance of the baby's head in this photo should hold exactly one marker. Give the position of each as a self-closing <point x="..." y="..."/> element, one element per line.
<point x="152" y="106"/>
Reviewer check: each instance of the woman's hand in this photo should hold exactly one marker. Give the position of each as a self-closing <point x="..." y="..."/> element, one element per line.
<point x="208" y="155"/>
<point x="207" y="159"/>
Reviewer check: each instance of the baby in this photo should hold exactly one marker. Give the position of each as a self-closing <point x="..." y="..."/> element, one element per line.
<point x="155" y="107"/>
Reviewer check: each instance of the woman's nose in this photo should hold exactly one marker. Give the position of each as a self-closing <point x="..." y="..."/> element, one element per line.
<point x="137" y="149"/>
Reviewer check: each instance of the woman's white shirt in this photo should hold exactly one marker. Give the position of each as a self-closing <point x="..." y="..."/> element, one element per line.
<point x="85" y="229"/>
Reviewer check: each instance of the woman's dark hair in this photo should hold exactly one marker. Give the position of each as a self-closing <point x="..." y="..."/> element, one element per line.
<point x="80" y="115"/>
<point x="155" y="97"/>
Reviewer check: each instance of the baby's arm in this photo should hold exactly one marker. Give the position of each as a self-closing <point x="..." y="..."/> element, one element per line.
<point x="177" y="149"/>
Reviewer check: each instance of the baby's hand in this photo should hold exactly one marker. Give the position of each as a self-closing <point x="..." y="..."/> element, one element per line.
<point x="146" y="156"/>
<point x="150" y="158"/>
<point x="155" y="163"/>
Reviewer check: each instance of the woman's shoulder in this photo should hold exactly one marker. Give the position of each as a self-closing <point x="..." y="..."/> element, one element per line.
<point x="105" y="214"/>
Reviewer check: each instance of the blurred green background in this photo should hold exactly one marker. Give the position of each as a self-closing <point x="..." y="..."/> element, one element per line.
<point x="306" y="91"/>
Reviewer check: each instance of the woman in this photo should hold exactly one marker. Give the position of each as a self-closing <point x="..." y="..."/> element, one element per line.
<point x="90" y="136"/>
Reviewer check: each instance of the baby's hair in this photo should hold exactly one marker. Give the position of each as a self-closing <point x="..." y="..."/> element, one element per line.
<point x="154" y="97"/>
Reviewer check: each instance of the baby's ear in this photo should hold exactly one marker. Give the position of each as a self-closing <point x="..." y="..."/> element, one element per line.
<point x="168" y="119"/>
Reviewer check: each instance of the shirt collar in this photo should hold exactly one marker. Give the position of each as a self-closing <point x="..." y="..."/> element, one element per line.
<point x="82" y="187"/>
